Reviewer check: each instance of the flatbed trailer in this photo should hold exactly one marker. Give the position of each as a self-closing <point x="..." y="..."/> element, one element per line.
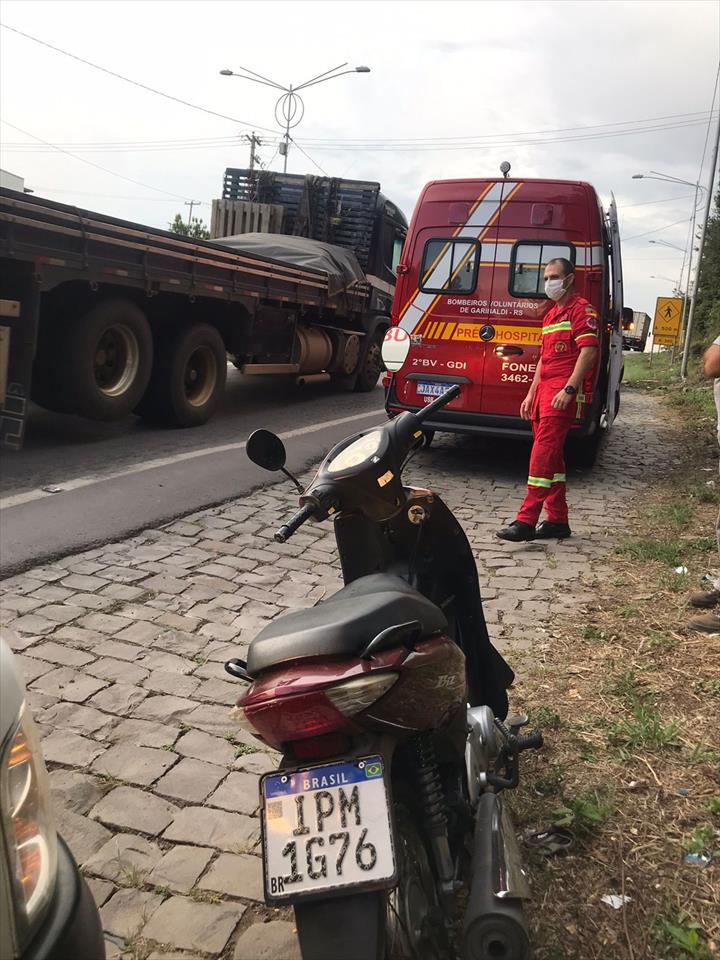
<point x="102" y="317"/>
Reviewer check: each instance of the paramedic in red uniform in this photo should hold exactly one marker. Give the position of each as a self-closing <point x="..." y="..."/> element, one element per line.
<point x="568" y="355"/>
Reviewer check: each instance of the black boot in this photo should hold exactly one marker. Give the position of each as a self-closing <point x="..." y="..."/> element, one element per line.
<point x="548" y="531"/>
<point x="517" y="532"/>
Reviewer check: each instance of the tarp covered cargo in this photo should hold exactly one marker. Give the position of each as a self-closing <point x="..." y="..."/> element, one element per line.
<point x="339" y="265"/>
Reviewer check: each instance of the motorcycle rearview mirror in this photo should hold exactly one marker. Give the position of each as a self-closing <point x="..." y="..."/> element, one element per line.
<point x="395" y="348"/>
<point x="267" y="450"/>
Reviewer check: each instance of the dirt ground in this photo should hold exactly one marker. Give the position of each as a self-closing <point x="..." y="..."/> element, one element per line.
<point x="629" y="700"/>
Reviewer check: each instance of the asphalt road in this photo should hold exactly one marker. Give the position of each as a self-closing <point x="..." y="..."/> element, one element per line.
<point x="114" y="479"/>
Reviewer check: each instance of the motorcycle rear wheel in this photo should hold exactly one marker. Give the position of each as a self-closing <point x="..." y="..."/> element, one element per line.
<point x="405" y="923"/>
<point x="414" y="928"/>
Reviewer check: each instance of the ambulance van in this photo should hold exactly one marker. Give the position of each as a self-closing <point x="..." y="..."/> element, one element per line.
<point x="470" y="299"/>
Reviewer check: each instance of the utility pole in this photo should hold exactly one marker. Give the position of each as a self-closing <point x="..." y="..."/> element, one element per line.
<point x="253" y="141"/>
<point x="708" y="207"/>
<point x="191" y="204"/>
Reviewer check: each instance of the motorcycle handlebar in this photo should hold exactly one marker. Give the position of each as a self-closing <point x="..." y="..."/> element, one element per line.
<point x="289" y="528"/>
<point x="446" y="397"/>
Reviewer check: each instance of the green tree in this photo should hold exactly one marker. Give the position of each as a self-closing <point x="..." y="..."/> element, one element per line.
<point x="195" y="229"/>
<point x="707" y="308"/>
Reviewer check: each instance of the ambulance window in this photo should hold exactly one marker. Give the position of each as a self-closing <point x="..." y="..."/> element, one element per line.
<point x="528" y="264"/>
<point x="398" y="244"/>
<point x="450" y="266"/>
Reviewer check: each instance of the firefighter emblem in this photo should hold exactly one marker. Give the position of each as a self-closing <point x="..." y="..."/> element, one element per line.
<point x="560" y="346"/>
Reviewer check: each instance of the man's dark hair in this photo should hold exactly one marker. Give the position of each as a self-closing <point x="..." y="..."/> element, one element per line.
<point x="567" y="266"/>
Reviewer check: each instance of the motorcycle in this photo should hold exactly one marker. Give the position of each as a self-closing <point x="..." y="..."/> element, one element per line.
<point x="388" y="704"/>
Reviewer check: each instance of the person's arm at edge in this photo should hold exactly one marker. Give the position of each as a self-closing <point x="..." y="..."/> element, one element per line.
<point x="711" y="361"/>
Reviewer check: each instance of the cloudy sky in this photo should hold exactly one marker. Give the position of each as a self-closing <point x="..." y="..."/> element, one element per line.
<point x="561" y="90"/>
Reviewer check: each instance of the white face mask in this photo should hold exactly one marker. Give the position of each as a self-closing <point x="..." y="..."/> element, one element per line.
<point x="554" y="289"/>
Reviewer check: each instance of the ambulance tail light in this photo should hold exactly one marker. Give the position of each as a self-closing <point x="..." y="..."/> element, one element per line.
<point x="386" y="380"/>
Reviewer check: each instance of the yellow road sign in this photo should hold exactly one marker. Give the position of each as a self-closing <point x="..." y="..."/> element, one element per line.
<point x="668" y="314"/>
<point x="665" y="341"/>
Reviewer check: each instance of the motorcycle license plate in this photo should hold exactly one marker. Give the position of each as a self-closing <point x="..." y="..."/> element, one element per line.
<point x="432" y="389"/>
<point x="326" y="828"/>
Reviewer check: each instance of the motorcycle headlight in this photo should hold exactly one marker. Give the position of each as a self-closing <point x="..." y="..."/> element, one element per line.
<point x="28" y="826"/>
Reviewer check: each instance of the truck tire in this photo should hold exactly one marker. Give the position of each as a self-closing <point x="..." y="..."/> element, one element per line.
<point x="188" y="378"/>
<point x="371" y="364"/>
<point x="103" y="361"/>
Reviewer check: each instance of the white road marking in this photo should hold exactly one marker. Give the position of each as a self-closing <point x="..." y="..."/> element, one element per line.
<point x="69" y="486"/>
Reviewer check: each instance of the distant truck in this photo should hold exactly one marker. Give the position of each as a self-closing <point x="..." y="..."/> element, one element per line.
<point x="635" y="329"/>
<point x="101" y="317"/>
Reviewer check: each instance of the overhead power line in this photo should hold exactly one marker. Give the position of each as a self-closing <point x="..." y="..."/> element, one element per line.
<point x="647" y="233"/>
<point x="135" y="83"/>
<point x="90" y="163"/>
<point x="601" y="132"/>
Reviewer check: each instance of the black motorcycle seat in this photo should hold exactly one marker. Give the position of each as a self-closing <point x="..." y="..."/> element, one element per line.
<point x="345" y="623"/>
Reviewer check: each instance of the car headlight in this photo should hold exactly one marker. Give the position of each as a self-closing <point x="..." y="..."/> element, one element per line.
<point x="28" y="825"/>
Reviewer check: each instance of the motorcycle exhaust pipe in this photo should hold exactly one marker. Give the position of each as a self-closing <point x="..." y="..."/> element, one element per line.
<point x="495" y="926"/>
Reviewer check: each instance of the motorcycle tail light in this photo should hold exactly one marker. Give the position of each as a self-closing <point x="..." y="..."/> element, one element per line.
<point x="353" y="696"/>
<point x="315" y="713"/>
<point x="282" y="719"/>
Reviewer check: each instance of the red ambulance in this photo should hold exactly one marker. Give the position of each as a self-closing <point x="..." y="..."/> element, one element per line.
<point x="470" y="297"/>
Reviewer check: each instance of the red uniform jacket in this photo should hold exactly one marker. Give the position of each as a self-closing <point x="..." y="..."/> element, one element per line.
<point x="566" y="330"/>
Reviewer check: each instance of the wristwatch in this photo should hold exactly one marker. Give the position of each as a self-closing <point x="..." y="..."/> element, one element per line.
<point x="570" y="390"/>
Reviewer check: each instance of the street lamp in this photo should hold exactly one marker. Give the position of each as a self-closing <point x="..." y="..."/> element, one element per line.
<point x="676" y="285"/>
<point x="666" y="178"/>
<point x="665" y="243"/>
<point x="290" y="107"/>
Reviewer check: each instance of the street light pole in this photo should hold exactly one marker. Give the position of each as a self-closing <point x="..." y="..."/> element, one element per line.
<point x="655" y="175"/>
<point x="290" y="103"/>
<point x="708" y="205"/>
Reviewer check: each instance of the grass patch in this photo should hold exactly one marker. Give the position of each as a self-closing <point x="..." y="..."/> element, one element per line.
<point x="644" y="729"/>
<point x="243" y="749"/>
<point x="677" y="515"/>
<point x="582" y="814"/>
<point x="545" y="717"/>
<point x="646" y="370"/>
<point x="682" y="936"/>
<point x="205" y="896"/>
<point x="591" y="632"/>
<point x="673" y="551"/>
<point x="132" y="877"/>
<point x="703" y="841"/>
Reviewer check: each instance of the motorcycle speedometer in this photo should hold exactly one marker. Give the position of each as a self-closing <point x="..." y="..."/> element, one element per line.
<point x="359" y="451"/>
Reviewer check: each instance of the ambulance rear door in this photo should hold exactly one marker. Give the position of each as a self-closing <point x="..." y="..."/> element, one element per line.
<point x="616" y="355"/>
<point x="448" y="310"/>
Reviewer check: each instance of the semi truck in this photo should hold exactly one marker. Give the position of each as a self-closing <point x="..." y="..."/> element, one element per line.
<point x="470" y="299"/>
<point x="635" y="329"/>
<point x="102" y="318"/>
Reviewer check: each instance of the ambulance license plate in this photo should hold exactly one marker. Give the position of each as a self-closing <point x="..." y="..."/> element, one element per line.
<point x="326" y="828"/>
<point x="432" y="389"/>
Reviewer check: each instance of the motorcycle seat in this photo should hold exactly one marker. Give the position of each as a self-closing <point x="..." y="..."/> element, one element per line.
<point x="345" y="623"/>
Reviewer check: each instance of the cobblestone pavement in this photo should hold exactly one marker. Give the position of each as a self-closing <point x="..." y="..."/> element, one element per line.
<point x="123" y="647"/>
